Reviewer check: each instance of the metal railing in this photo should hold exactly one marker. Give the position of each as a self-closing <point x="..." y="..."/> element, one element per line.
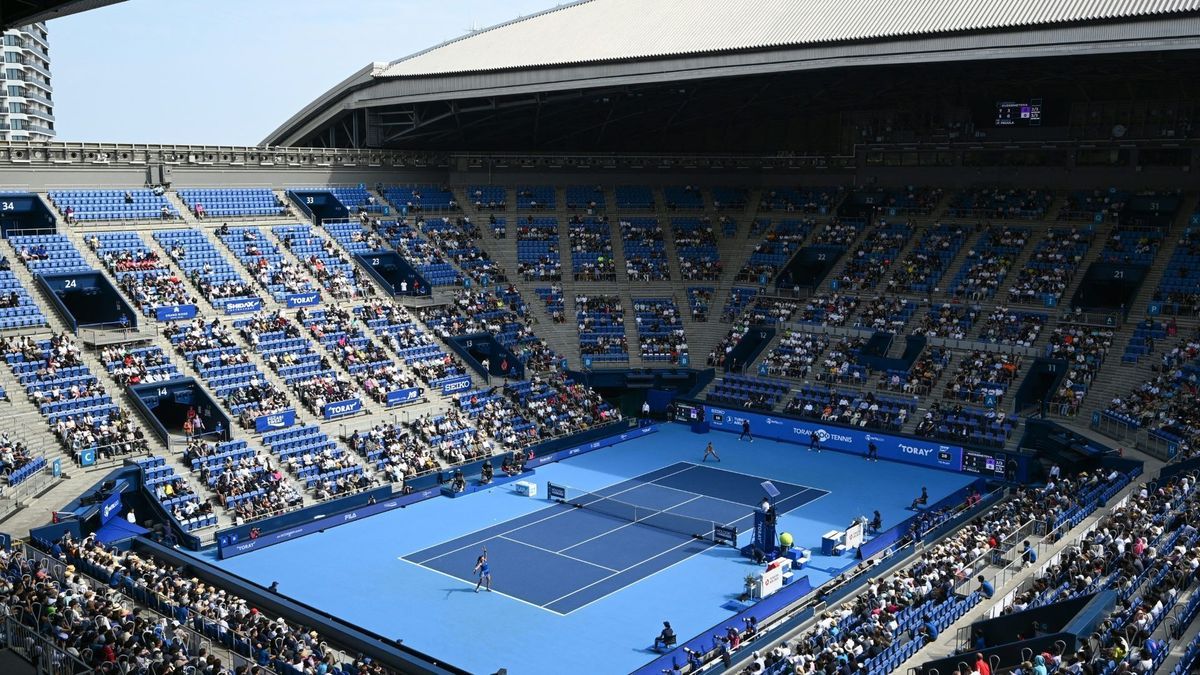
<point x="46" y="657"/>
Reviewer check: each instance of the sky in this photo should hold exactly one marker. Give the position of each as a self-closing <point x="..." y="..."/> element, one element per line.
<point x="228" y="72"/>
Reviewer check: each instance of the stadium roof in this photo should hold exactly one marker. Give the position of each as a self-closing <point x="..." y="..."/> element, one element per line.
<point x="24" y="12"/>
<point x="593" y="47"/>
<point x="610" y="30"/>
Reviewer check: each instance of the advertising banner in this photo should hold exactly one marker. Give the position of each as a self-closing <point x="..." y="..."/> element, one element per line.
<point x="341" y="408"/>
<point x="175" y="312"/>
<point x="403" y="396"/>
<point x="243" y="305"/>
<point x="456" y="384"/>
<point x="280" y="420"/>
<point x="303" y="299"/>
<point x="922" y="452"/>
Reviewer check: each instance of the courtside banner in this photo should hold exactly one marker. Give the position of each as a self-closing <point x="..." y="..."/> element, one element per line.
<point x="403" y="396"/>
<point x="594" y="445"/>
<point x="340" y="408"/>
<point x="175" y="312"/>
<point x="303" y="299"/>
<point x="841" y="439"/>
<point x="274" y="421"/>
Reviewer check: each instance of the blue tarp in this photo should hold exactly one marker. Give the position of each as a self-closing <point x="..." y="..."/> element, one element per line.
<point x="118" y="529"/>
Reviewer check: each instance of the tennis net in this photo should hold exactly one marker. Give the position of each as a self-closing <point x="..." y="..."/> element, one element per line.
<point x="697" y="528"/>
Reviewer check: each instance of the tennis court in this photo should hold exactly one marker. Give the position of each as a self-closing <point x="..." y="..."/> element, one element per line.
<point x="562" y="558"/>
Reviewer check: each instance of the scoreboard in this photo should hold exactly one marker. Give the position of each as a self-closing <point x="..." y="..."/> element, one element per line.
<point x="689" y="413"/>
<point x="1019" y="113"/>
<point x="984" y="463"/>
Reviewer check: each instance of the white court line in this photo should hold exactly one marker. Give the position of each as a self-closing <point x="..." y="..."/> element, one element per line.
<point x="557" y="553"/>
<point x="635" y="522"/>
<point x="642" y="562"/>
<point x="476" y="542"/>
<point x="468" y="584"/>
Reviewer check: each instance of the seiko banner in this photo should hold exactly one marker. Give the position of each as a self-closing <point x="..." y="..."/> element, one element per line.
<point x="403" y="396"/>
<point x="175" y="312"/>
<point x="303" y="299"/>
<point x="243" y="305"/>
<point x="456" y="384"/>
<point x="279" y="420"/>
<point x="841" y="439"/>
<point x="341" y="408"/>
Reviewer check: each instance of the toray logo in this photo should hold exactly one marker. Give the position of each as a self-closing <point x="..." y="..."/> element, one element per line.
<point x="914" y="450"/>
<point x="310" y="297"/>
<point x="343" y="407"/>
<point x="246" y="546"/>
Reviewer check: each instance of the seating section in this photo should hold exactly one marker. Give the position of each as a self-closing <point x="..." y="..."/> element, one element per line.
<point x="591" y="249"/>
<point x="775" y="250"/>
<point x="294" y="358"/>
<point x="425" y="257"/>
<point x="246" y="482"/>
<point x="853" y="408"/>
<point x="889" y="314"/>
<point x="49" y="254"/>
<point x="1048" y="273"/>
<point x="699" y="300"/>
<point x="225" y="367"/>
<point x="354" y="237"/>
<point x="496" y="414"/>
<point x="920" y="379"/>
<point x="730" y="198"/>
<point x="748" y="392"/>
<point x="966" y="424"/>
<point x="1179" y="290"/>
<point x="452" y="433"/>
<point x="802" y="199"/>
<point x="316" y="461"/>
<point x="636" y="198"/>
<point x="17" y="462"/>
<point x="538" y="256"/>
<point x="982" y="377"/>
<point x="601" y="322"/>
<point x="265" y="262"/>
<point x="1084" y="348"/>
<point x="145" y="278"/>
<point x="1012" y="327"/>
<point x="420" y="198"/>
<point x="456" y="240"/>
<point x="873" y="256"/>
<point x="739" y="299"/>
<point x="923" y="268"/>
<point x="910" y="200"/>
<point x="138" y="365"/>
<point x="489" y="197"/>
<point x="503" y="314"/>
<point x="1134" y="246"/>
<point x="358" y="200"/>
<point x="1086" y="205"/>
<point x="343" y="336"/>
<point x="660" y="330"/>
<point x="841" y="232"/>
<point x="683" y="197"/>
<point x="536" y="198"/>
<point x="588" y="197"/>
<point x="829" y="309"/>
<point x="17" y="307"/>
<point x="324" y="261"/>
<point x="76" y="405"/>
<point x="233" y="202"/>
<point x="137" y="204"/>
<point x="998" y="203"/>
<point x="645" y="251"/>
<point x="552" y="297"/>
<point x="795" y="355"/>
<point x="988" y="263"/>
<point x="696" y="249"/>
<point x="205" y="267"/>
<point x="176" y="495"/>
<point x="421" y="356"/>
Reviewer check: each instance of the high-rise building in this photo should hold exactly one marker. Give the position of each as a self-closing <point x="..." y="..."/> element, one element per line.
<point x="26" y="99"/>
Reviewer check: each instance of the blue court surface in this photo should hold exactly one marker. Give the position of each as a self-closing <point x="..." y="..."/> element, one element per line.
<point x="572" y="582"/>
<point x="574" y="556"/>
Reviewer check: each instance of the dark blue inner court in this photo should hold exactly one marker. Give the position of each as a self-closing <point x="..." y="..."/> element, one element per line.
<point x="562" y="558"/>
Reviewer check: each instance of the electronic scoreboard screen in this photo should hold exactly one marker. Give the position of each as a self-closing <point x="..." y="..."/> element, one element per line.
<point x="983" y="463"/>
<point x="689" y="412"/>
<point x="1019" y="114"/>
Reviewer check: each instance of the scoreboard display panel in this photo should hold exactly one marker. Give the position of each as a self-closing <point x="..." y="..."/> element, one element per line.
<point x="1019" y="113"/>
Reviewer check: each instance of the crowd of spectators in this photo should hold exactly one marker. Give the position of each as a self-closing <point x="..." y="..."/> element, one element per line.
<point x="137" y="366"/>
<point x="1084" y="348"/>
<point x="829" y="309"/>
<point x="873" y="256"/>
<point x="924" y="266"/>
<point x="538" y="257"/>
<point x="143" y="276"/>
<point x="1166" y="402"/>
<point x="838" y="232"/>
<point x="699" y="299"/>
<point x="696" y="246"/>
<point x="1051" y="267"/>
<point x="988" y="263"/>
<point x="1012" y="327"/>
<point x="795" y="355"/>
<point x="885" y="313"/>
<point x="452" y="436"/>
<point x="981" y="375"/>
<point x="948" y="321"/>
<point x="591" y="249"/>
<point x="496" y="413"/>
<point x="921" y="377"/>
<point x="251" y="484"/>
<point x="601" y="323"/>
<point x="660" y="329"/>
<point x="503" y="314"/>
<point x="838" y="364"/>
<point x="396" y="450"/>
<point x="645" y="250"/>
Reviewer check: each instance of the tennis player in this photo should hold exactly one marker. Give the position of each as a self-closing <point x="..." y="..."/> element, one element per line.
<point x="710" y="451"/>
<point x="484" y="570"/>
